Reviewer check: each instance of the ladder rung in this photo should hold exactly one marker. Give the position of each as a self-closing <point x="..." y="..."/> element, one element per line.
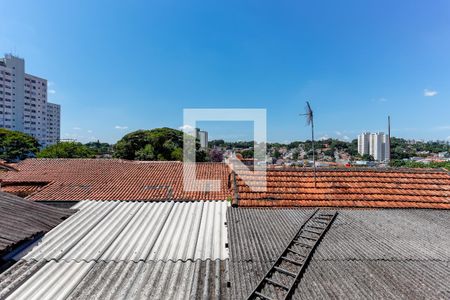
<point x="277" y="284"/>
<point x="320" y="222"/>
<point x="295" y="252"/>
<point x="308" y="238"/>
<point x="316" y="227"/>
<point x="312" y="231"/>
<point x="303" y="245"/>
<point x="291" y="261"/>
<point x="285" y="271"/>
<point x="323" y="218"/>
<point x="262" y="296"/>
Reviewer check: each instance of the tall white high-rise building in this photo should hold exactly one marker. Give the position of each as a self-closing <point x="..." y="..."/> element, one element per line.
<point x="375" y="144"/>
<point x="23" y="102"/>
<point x="363" y="143"/>
<point x="203" y="137"/>
<point x="53" y="123"/>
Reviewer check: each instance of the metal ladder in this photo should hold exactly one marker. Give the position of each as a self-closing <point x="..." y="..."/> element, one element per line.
<point x="282" y="278"/>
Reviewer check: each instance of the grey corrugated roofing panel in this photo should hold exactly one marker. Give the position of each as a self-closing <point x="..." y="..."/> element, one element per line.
<point x="118" y="280"/>
<point x="375" y="280"/>
<point x="389" y="235"/>
<point x="138" y="231"/>
<point x="14" y="277"/>
<point x="155" y="280"/>
<point x="406" y="245"/>
<point x="21" y="220"/>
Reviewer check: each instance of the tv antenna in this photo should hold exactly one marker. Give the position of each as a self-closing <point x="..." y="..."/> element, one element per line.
<point x="310" y="121"/>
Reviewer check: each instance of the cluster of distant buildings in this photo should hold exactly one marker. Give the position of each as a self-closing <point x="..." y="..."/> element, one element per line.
<point x="24" y="103"/>
<point x="375" y="144"/>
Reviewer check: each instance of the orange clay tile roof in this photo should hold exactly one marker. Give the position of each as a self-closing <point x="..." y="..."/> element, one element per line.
<point x="22" y="189"/>
<point x="377" y="188"/>
<point x="112" y="179"/>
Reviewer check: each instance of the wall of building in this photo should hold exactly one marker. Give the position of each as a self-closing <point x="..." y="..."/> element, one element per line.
<point x="23" y="102"/>
<point x="53" y="123"/>
<point x="6" y="100"/>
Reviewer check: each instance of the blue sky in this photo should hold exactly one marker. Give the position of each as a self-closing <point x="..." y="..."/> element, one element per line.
<point x="120" y="66"/>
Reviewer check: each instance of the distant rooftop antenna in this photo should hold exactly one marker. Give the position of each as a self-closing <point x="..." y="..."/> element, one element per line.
<point x="310" y="121"/>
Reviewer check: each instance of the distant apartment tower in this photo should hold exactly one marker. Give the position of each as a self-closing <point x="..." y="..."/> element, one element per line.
<point x="375" y="144"/>
<point x="23" y="102"/>
<point x="53" y="123"/>
<point x="203" y="137"/>
<point x="363" y="143"/>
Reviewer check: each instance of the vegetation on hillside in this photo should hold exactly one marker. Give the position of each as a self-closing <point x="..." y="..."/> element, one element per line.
<point x="167" y="144"/>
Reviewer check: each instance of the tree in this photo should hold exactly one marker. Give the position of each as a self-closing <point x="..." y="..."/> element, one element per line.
<point x="100" y="148"/>
<point x="16" y="145"/>
<point x="367" y="157"/>
<point x="67" y="150"/>
<point x="247" y="153"/>
<point x="329" y="152"/>
<point x="216" y="155"/>
<point x="146" y="153"/>
<point x="156" y="144"/>
<point x="276" y="154"/>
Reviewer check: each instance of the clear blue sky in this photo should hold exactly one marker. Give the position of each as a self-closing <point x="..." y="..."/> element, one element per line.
<point x="118" y="67"/>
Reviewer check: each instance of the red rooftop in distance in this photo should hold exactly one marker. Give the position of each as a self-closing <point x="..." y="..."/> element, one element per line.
<point x="344" y="187"/>
<point x="110" y="179"/>
<point x="113" y="179"/>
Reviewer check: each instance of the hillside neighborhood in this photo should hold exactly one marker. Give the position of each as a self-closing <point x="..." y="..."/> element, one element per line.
<point x="124" y="229"/>
<point x="226" y="150"/>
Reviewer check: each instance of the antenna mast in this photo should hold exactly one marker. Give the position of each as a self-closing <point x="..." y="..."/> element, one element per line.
<point x="310" y="121"/>
<point x="314" y="151"/>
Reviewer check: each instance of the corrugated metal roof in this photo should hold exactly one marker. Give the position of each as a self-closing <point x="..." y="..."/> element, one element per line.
<point x="116" y="280"/>
<point x="375" y="279"/>
<point x="400" y="251"/>
<point x="138" y="231"/>
<point x="21" y="220"/>
<point x="128" y="250"/>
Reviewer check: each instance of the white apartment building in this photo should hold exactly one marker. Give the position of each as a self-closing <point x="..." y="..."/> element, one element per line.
<point x="375" y="144"/>
<point x="53" y="123"/>
<point x="23" y="102"/>
<point x="203" y="137"/>
<point x="363" y="143"/>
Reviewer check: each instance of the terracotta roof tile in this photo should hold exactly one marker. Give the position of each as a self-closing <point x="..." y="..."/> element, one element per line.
<point x="377" y="188"/>
<point x="112" y="179"/>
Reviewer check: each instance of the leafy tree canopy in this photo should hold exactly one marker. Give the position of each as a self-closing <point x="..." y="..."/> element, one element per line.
<point x="67" y="150"/>
<point x="415" y="164"/>
<point x="247" y="153"/>
<point x="16" y="145"/>
<point x="156" y="144"/>
<point x="100" y="148"/>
